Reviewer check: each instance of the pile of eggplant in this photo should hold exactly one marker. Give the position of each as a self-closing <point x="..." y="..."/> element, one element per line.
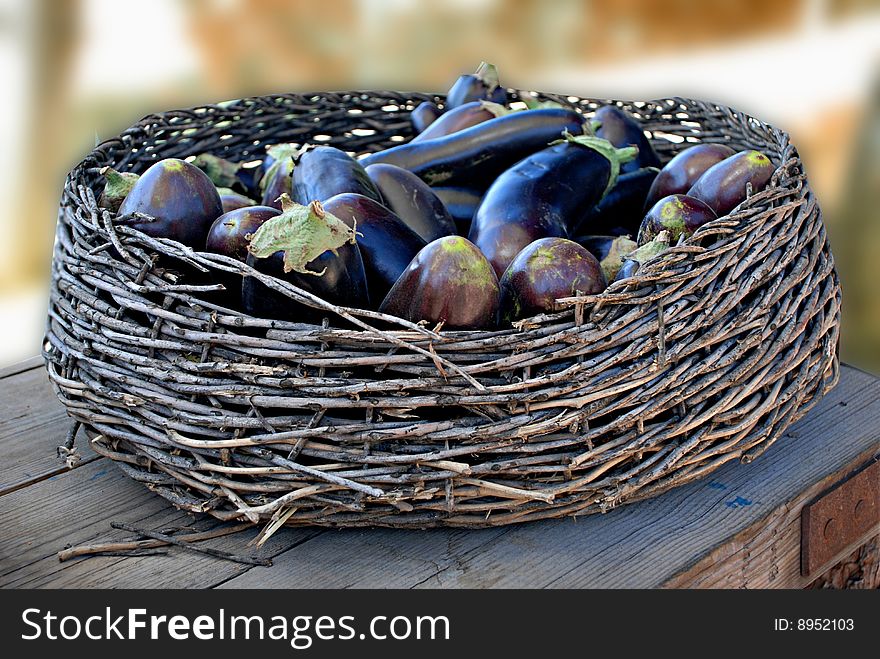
<point x="490" y="214"/>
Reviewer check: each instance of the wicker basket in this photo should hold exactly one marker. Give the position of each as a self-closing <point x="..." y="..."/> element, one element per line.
<point x="704" y="357"/>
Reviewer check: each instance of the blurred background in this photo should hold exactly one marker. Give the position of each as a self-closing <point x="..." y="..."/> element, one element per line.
<point x="78" y="71"/>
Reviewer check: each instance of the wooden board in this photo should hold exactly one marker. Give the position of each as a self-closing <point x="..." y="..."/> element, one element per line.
<point x="739" y="527"/>
<point x="32" y="425"/>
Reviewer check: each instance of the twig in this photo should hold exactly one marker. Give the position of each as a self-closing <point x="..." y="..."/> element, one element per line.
<point x="134" y="545"/>
<point x="216" y="553"/>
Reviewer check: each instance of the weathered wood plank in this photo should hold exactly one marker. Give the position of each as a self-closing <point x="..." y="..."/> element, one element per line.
<point x="78" y="507"/>
<point x="33" y="424"/>
<point x="641" y="545"/>
<point x="20" y="367"/>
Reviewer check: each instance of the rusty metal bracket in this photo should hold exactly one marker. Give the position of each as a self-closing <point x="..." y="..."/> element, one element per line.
<point x="839" y="517"/>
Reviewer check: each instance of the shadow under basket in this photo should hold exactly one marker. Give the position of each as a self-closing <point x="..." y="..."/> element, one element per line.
<point x="704" y="357"/>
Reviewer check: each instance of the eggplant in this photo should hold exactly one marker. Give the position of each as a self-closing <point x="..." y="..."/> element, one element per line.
<point x="278" y="166"/>
<point x="448" y="281"/>
<point x="229" y="236"/>
<point x="482" y="85"/>
<point x="680" y="173"/>
<point x="180" y="199"/>
<point x="477" y="155"/>
<point x="622" y="208"/>
<point x="386" y="243"/>
<point x="311" y="249"/>
<point x="410" y="198"/>
<point x="632" y="262"/>
<point x="622" y="129"/>
<point x="424" y="115"/>
<point x="543" y="272"/>
<point x="325" y="171"/>
<point x="461" y="117"/>
<point x="678" y="214"/>
<point x="723" y="185"/>
<point x="618" y="250"/>
<point x="543" y="195"/>
<point x="117" y="185"/>
<point x="230" y="199"/>
<point x="228" y="233"/>
<point x="461" y="203"/>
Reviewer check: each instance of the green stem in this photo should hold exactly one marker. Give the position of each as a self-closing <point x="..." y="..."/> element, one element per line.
<point x="616" y="157"/>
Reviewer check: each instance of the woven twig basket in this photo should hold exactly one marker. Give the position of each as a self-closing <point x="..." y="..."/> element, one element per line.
<point x="704" y="357"/>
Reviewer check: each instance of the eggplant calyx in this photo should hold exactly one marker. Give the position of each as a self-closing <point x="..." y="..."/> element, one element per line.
<point x="621" y="248"/>
<point x="649" y="250"/>
<point x="223" y="173"/>
<point x="616" y="157"/>
<point x="303" y="233"/>
<point x="117" y="185"/>
<point x="495" y="108"/>
<point x="285" y="155"/>
<point x="488" y="73"/>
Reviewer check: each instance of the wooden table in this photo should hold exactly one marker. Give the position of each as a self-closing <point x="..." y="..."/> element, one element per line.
<point x="740" y="527"/>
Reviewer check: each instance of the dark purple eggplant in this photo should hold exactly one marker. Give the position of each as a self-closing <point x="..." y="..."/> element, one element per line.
<point x="461" y="203"/>
<point x="230" y="199"/>
<point x="461" y="117"/>
<point x="448" y="281"/>
<point x="179" y="197"/>
<point x="622" y="129"/>
<point x="410" y="198"/>
<point x="477" y="155"/>
<point x="424" y="115"/>
<point x="386" y="243"/>
<point x="117" y="185"/>
<point x="482" y="85"/>
<point x="228" y="236"/>
<point x="228" y="233"/>
<point x="325" y="171"/>
<point x="336" y="274"/>
<point x="278" y="166"/>
<point x="543" y="195"/>
<point x="723" y="185"/>
<point x="622" y="208"/>
<point x="680" y="173"/>
<point x="678" y="214"/>
<point x="543" y="272"/>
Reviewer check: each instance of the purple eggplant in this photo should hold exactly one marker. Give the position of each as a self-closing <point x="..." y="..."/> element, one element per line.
<point x="311" y="249"/>
<point x="228" y="233"/>
<point x="477" y="155"/>
<point x="410" y="198"/>
<point x="680" y="173"/>
<point x="543" y="195"/>
<point x="483" y="85"/>
<point x="231" y="200"/>
<point x="424" y="115"/>
<point x="461" y="117"/>
<point x="448" y="281"/>
<point x="229" y="236"/>
<point x="386" y="243"/>
<point x="325" y="171"/>
<point x="622" y="129"/>
<point x="461" y="203"/>
<point x="180" y="200"/>
<point x="622" y="208"/>
<point x="278" y="167"/>
<point x="543" y="272"/>
<point x="723" y="185"/>
<point x="678" y="214"/>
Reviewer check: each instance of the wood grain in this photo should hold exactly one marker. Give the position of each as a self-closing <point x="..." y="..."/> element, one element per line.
<point x="33" y="423"/>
